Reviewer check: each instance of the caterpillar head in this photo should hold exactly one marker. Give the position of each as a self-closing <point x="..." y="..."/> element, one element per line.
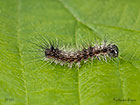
<point x="113" y="50"/>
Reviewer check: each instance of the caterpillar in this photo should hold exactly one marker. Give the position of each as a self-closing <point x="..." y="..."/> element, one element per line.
<point x="110" y="50"/>
<point x="50" y="51"/>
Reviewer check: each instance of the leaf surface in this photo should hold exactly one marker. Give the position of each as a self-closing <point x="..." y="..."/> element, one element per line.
<point x="27" y="80"/>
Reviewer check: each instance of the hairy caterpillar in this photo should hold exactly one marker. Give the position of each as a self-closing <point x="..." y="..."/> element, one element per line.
<point x="50" y="51"/>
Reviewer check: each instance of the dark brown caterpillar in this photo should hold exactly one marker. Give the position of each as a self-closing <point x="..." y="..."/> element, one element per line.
<point x="52" y="53"/>
<point x="110" y="50"/>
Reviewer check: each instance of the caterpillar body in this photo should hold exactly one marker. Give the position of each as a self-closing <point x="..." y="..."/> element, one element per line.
<point x="110" y="50"/>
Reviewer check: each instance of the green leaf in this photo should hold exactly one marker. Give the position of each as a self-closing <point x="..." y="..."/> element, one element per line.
<point x="27" y="80"/>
